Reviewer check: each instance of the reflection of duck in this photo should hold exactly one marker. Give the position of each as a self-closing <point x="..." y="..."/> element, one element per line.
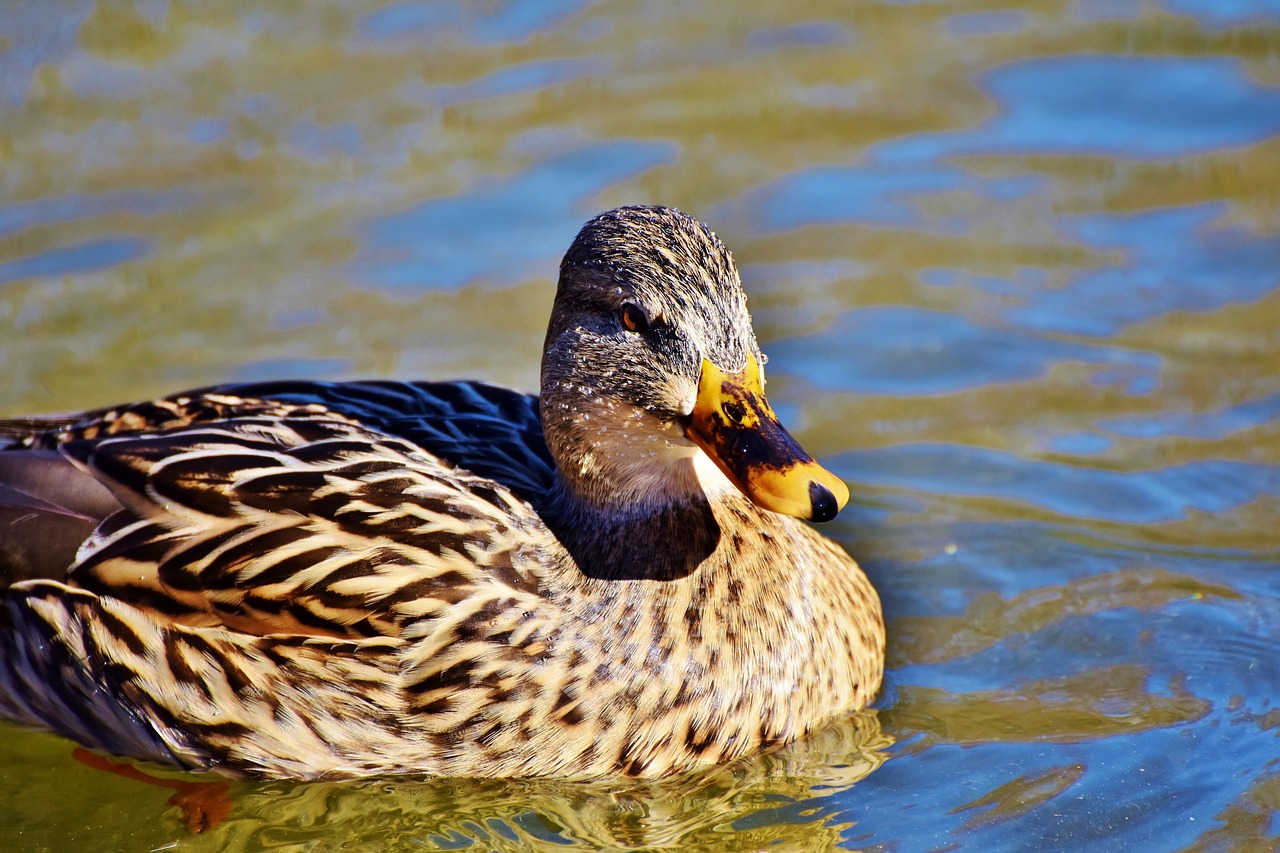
<point x="325" y="580"/>
<point x="781" y="800"/>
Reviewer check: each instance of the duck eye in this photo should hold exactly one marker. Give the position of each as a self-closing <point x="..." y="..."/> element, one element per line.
<point x="633" y="318"/>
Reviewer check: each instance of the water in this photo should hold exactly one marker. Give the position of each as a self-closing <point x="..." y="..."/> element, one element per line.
<point x="1017" y="268"/>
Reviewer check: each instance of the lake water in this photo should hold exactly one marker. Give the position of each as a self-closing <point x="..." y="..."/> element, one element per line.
<point x="1017" y="267"/>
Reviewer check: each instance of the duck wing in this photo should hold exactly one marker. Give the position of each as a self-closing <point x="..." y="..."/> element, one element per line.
<point x="318" y="509"/>
<point x="492" y="431"/>
<point x="272" y="580"/>
<point x="302" y="526"/>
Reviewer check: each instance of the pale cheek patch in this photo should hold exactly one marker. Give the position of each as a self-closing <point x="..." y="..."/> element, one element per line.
<point x="646" y="459"/>
<point x="629" y="437"/>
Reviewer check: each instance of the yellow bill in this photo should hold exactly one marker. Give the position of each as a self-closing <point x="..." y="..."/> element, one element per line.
<point x="734" y="423"/>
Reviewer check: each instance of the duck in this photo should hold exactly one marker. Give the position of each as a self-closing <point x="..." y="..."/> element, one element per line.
<point x="617" y="577"/>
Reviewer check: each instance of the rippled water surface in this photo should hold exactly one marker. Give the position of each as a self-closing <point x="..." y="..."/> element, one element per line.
<point x="1017" y="267"/>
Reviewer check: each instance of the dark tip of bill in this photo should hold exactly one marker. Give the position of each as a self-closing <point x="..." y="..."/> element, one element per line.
<point x="823" y="502"/>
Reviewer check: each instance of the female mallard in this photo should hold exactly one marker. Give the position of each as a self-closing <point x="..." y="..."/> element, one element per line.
<point x="324" y="580"/>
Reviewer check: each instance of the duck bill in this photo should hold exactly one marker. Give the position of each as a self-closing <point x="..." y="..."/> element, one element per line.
<point x="735" y="425"/>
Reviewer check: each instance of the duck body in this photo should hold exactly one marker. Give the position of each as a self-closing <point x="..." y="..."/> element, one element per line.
<point x="323" y="580"/>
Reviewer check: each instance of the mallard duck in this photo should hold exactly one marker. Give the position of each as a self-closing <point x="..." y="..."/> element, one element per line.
<point x="325" y="580"/>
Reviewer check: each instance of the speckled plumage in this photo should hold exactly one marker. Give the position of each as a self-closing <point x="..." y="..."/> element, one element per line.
<point x="325" y="580"/>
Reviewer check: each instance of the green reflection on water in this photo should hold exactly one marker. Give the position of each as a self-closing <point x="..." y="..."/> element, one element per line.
<point x="748" y="805"/>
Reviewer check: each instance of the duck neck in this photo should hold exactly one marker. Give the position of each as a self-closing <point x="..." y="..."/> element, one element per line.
<point x="651" y="540"/>
<point x="633" y="498"/>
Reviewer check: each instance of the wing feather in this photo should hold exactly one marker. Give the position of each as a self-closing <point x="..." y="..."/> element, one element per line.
<point x="274" y="525"/>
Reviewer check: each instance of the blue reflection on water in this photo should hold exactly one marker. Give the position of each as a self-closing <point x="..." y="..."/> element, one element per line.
<point x="901" y="350"/>
<point x="501" y="232"/>
<point x="848" y="194"/>
<point x="508" y="80"/>
<point x="1176" y="260"/>
<point x="496" y="22"/>
<point x="1136" y="497"/>
<point x="77" y="258"/>
<point x="204" y="131"/>
<point x="1227" y="13"/>
<point x="321" y="142"/>
<point x="1148" y="789"/>
<point x="1137" y="794"/>
<point x="1122" y="106"/>
<point x="1203" y="425"/>
<point x="27" y="214"/>
<point x="1079" y="444"/>
<point x="808" y="34"/>
<point x="875" y="195"/>
<point x="1097" y="640"/>
<point x="32" y="36"/>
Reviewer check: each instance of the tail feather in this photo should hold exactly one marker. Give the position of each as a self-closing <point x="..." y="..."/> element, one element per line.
<point x="48" y="508"/>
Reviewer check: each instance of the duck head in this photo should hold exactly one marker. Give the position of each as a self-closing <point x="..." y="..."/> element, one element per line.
<point x="652" y="380"/>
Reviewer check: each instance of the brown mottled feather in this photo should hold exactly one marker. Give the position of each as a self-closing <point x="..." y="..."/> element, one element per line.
<point x="325" y="580"/>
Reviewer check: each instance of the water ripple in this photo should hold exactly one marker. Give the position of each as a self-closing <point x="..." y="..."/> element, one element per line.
<point x="900" y="350"/>
<point x="1133" y="497"/>
<point x="500" y="232"/>
<point x="81" y="257"/>
<point x="1211" y="425"/>
<point x="1120" y="106"/>
<point x="1176" y="259"/>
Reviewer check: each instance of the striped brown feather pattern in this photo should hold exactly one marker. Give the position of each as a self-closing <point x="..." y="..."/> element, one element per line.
<point x="250" y="605"/>
<point x="308" y="526"/>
